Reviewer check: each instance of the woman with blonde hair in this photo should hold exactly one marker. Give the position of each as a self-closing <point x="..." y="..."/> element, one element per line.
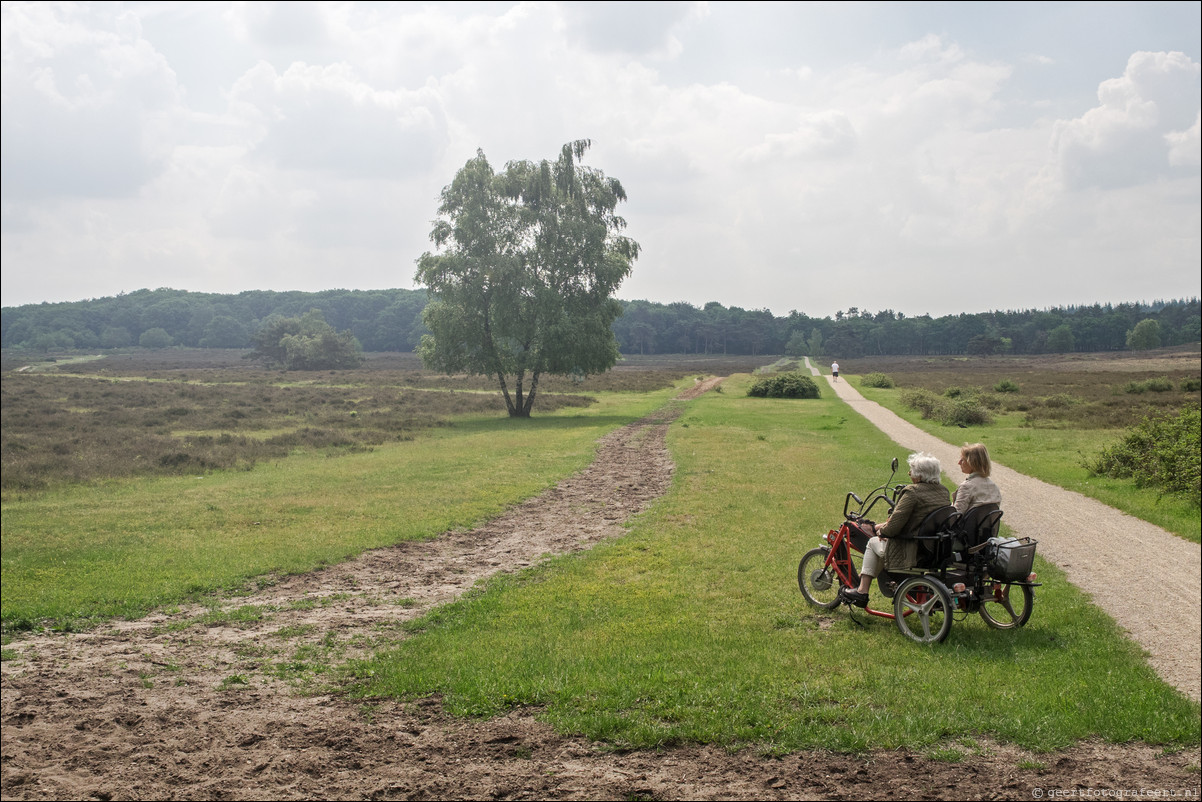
<point x="977" y="488"/>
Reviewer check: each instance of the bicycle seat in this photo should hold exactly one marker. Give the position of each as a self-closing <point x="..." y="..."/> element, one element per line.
<point x="934" y="536"/>
<point x="978" y="525"/>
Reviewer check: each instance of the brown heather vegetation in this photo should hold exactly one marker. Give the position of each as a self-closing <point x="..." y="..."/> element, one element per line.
<point x="182" y="411"/>
<point x="176" y="411"/>
<point x="1084" y="390"/>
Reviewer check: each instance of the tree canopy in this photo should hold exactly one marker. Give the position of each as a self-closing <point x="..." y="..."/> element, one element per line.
<point x="306" y="343"/>
<point x="390" y="320"/>
<point x="523" y="282"/>
<point x="1145" y="335"/>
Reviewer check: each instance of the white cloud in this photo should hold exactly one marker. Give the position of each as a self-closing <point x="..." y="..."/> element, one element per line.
<point x="89" y="104"/>
<point x="1185" y="147"/>
<point x="281" y="24"/>
<point x="327" y="118"/>
<point x="826" y="134"/>
<point x="636" y="28"/>
<point x="1132" y="135"/>
<point x="790" y="155"/>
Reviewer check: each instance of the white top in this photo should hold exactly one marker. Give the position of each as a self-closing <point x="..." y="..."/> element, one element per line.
<point x="974" y="491"/>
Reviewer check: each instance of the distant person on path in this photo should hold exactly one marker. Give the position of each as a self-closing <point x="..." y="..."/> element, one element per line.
<point x="894" y="546"/>
<point x="977" y="488"/>
<point x="835" y="370"/>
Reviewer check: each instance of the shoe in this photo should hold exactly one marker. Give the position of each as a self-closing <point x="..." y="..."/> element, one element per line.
<point x="853" y="597"/>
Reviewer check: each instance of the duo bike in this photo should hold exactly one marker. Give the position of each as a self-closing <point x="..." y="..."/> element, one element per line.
<point x="963" y="568"/>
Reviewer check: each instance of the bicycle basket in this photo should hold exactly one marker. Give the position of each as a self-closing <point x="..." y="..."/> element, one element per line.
<point x="1010" y="559"/>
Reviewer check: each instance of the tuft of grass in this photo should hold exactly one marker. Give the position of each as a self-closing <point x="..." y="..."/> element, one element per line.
<point x="234" y="682"/>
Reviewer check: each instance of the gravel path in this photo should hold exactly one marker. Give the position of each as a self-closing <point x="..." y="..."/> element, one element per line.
<point x="1145" y="578"/>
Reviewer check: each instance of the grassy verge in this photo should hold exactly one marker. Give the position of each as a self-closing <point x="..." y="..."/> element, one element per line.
<point x="123" y="547"/>
<point x="691" y="628"/>
<point x="1056" y="455"/>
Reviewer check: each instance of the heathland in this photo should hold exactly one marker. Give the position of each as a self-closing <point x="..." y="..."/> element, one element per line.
<point x="686" y="630"/>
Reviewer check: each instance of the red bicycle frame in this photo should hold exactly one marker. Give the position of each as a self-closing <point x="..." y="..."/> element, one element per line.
<point x="838" y="559"/>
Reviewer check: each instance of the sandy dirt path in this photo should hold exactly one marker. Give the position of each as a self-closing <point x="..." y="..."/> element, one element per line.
<point x="1153" y="596"/>
<point x="197" y="703"/>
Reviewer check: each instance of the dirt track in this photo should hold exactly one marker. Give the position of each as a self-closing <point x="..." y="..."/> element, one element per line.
<point x="170" y="707"/>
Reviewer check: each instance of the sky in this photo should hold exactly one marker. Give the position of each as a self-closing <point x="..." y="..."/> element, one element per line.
<point x="929" y="158"/>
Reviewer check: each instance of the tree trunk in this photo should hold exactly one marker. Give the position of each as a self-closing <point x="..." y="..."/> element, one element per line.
<point x="505" y="392"/>
<point x="530" y="396"/>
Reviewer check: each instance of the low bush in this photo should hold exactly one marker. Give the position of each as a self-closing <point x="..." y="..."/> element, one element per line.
<point x="923" y="401"/>
<point x="1006" y="386"/>
<point x="1190" y="385"/>
<point x="966" y="410"/>
<point x="1160" y="452"/>
<point x="1162" y="384"/>
<point x="989" y="401"/>
<point x="1060" y="401"/>
<point x="876" y="380"/>
<point x="785" y="385"/>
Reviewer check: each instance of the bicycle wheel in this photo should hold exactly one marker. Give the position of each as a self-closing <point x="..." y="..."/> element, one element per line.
<point x="818" y="583"/>
<point x="1007" y="606"/>
<point x="922" y="608"/>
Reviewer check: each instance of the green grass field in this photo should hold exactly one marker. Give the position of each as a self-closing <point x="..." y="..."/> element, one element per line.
<point x="690" y="628"/>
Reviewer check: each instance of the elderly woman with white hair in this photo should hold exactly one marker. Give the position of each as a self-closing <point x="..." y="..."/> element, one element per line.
<point x="893" y="546"/>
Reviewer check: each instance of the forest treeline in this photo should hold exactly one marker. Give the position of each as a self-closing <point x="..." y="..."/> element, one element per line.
<point x="390" y="320"/>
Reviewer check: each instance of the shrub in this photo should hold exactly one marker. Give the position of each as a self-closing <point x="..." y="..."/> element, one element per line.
<point x="1060" y="401"/>
<point x="959" y="411"/>
<point x="953" y="392"/>
<point x="1190" y="385"/>
<point x="1160" y="452"/>
<point x="989" y="401"/>
<point x="785" y="385"/>
<point x="1159" y="385"/>
<point x="924" y="401"/>
<point x="966" y="412"/>
<point x="1006" y="386"/>
<point x="876" y="380"/>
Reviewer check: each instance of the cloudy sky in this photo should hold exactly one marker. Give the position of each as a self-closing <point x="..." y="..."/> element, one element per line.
<point x="923" y="157"/>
